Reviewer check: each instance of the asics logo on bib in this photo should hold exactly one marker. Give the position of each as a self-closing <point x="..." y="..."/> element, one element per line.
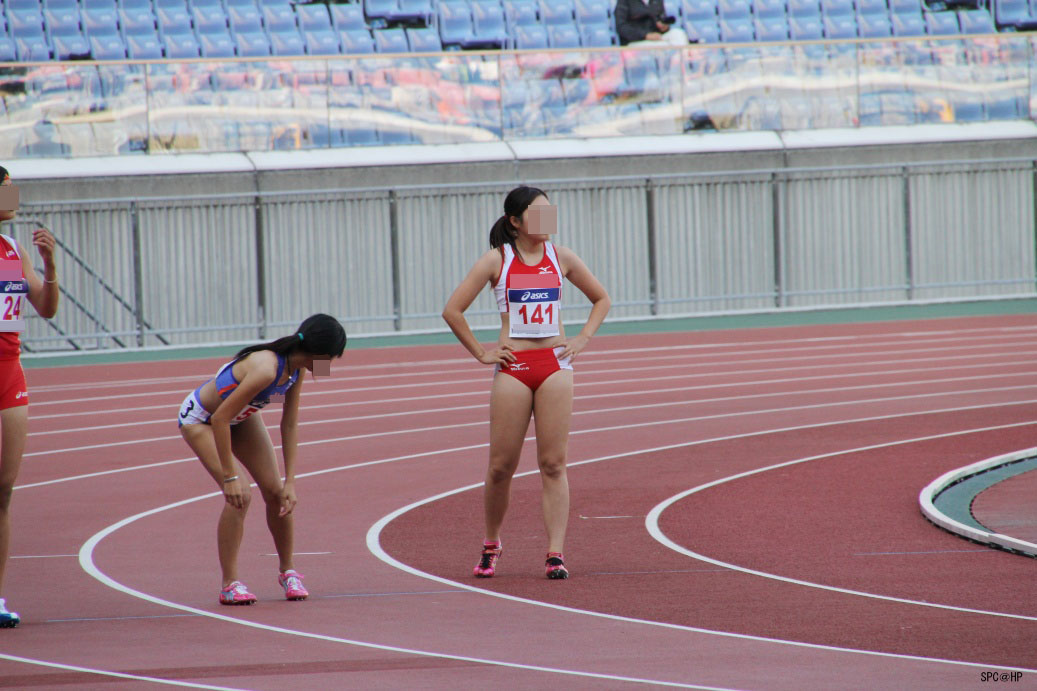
<point x="529" y="295"/>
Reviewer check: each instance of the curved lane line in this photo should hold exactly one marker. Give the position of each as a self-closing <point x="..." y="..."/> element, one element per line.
<point x="120" y="675"/>
<point x="652" y="524"/>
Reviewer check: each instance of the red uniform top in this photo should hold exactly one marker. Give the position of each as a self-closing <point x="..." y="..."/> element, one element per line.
<point x="10" y="304"/>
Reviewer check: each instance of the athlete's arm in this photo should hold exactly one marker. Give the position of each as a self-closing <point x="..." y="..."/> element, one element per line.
<point x="258" y="370"/>
<point x="484" y="271"/>
<point x="581" y="277"/>
<point x="42" y="296"/>
<point x="289" y="444"/>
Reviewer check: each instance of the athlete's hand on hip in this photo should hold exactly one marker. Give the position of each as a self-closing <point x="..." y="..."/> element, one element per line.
<point x="573" y="346"/>
<point x="288" y="499"/>
<point x="233" y="493"/>
<point x="501" y="355"/>
<point x="45" y="243"/>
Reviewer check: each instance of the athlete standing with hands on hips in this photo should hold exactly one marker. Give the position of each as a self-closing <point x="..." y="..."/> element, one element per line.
<point x="533" y="360"/>
<point x="221" y="422"/>
<point x="18" y="282"/>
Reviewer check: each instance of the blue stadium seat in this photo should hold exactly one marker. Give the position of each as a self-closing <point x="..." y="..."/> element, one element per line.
<point x="22" y="4"/>
<point x="487" y="24"/>
<point x="174" y="20"/>
<point x="347" y="17"/>
<point x="599" y="12"/>
<point x="216" y="44"/>
<point x="907" y="24"/>
<point x="1010" y="13"/>
<point x="61" y="21"/>
<point x="837" y="8"/>
<point x="287" y="41"/>
<point x="976" y="22"/>
<point x="278" y="18"/>
<point x="100" y="21"/>
<point x="207" y="21"/>
<point x="530" y="37"/>
<point x="321" y="42"/>
<point x="874" y="26"/>
<point x="107" y="47"/>
<point x="32" y="48"/>
<point x="805" y="28"/>
<point x="968" y="109"/>
<point x="941" y="23"/>
<point x="313" y="18"/>
<point x="356" y="41"/>
<point x="143" y="46"/>
<point x="840" y="26"/>
<point x="772" y="28"/>
<point x="763" y="9"/>
<point x="804" y="8"/>
<point x="64" y="4"/>
<point x="595" y="36"/>
<point x="390" y="41"/>
<point x="209" y="5"/>
<point x="244" y="18"/>
<point x="181" y="46"/>
<point x="380" y="10"/>
<point x="67" y="46"/>
<point x="703" y="30"/>
<point x="906" y="7"/>
<point x="415" y="11"/>
<point x="694" y="10"/>
<point x="8" y="51"/>
<point x="737" y="30"/>
<point x="136" y="20"/>
<point x="251" y="44"/>
<point x="734" y="10"/>
<point x="563" y="36"/>
<point x="455" y="22"/>
<point x="423" y="40"/>
<point x="556" y="12"/>
<point x="242" y="4"/>
<point x="25" y="22"/>
<point x="519" y="13"/>
<point x="872" y="7"/>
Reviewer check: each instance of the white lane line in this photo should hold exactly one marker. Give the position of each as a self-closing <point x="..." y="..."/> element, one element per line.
<point x="585" y="373"/>
<point x="1015" y="376"/>
<point x="41" y="556"/>
<point x="375" y="547"/>
<point x="86" y="561"/>
<point x="870" y="340"/>
<point x="108" y="673"/>
<point x="672" y="421"/>
<point x="652" y="522"/>
<point x="708" y="365"/>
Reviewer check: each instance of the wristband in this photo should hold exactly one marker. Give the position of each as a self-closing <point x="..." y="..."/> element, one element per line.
<point x="232" y="478"/>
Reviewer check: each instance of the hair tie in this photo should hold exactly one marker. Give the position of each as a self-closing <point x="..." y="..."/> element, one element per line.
<point x="300" y="336"/>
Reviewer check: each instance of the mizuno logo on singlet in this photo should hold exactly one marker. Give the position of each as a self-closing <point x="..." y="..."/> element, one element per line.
<point x="546" y="270"/>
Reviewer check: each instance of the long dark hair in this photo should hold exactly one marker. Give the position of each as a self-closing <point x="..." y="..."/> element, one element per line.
<point x="3" y="173"/>
<point x="317" y="335"/>
<point x="515" y="204"/>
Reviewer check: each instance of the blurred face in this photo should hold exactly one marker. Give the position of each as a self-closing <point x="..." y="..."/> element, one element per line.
<point x="6" y="214"/>
<point x="539" y="221"/>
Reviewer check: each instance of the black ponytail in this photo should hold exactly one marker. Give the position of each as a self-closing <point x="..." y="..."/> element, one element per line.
<point x="515" y="204"/>
<point x="4" y="173"/>
<point x="317" y="335"/>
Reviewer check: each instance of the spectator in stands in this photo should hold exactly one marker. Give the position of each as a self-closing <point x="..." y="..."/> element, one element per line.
<point x="644" y="22"/>
<point x="44" y="144"/>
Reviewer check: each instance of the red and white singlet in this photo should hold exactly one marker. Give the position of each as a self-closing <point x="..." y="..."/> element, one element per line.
<point x="531" y="295"/>
<point x="14" y="291"/>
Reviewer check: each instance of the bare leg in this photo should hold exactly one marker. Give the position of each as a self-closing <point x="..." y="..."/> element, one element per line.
<point x="511" y="404"/>
<point x="552" y="408"/>
<point x="14" y="424"/>
<point x="253" y="446"/>
<point x="231" y="526"/>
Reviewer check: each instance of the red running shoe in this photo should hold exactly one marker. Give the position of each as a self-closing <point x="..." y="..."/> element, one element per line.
<point x="491" y="552"/>
<point x="555" y="566"/>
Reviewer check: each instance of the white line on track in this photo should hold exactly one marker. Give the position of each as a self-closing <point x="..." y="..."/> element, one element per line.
<point x="118" y="675"/>
<point x="652" y="522"/>
<point x="86" y="561"/>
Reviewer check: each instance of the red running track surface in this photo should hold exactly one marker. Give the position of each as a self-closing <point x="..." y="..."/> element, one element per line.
<point x="744" y="515"/>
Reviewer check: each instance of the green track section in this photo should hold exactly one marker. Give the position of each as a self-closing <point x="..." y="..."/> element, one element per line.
<point x="667" y="325"/>
<point x="956" y="501"/>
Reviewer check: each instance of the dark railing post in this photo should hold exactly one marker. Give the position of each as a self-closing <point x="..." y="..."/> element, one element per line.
<point x="653" y="269"/>
<point x="260" y="267"/>
<point x="909" y="269"/>
<point x="777" y="211"/>
<point x="138" y="274"/>
<point x="394" y="250"/>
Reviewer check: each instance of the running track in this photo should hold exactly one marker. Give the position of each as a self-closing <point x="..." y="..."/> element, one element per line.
<point x="744" y="517"/>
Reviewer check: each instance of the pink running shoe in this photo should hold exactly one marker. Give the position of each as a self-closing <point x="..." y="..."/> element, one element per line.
<point x="291" y="581"/>
<point x="236" y="594"/>
<point x="486" y="567"/>
<point x="555" y="566"/>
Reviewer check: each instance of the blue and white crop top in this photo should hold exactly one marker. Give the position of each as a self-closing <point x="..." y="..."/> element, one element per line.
<point x="226" y="383"/>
